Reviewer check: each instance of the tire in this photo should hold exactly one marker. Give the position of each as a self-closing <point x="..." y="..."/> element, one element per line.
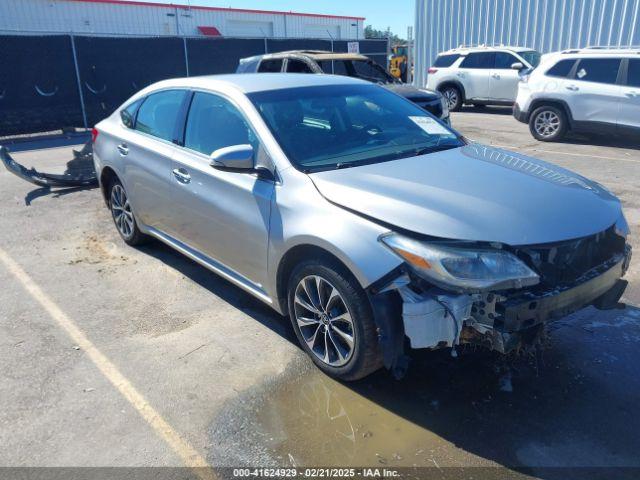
<point x="317" y="319"/>
<point x="122" y="215"/>
<point x="548" y="123"/>
<point x="453" y="96"/>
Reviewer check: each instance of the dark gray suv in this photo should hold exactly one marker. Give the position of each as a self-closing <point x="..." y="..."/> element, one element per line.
<point x="349" y="64"/>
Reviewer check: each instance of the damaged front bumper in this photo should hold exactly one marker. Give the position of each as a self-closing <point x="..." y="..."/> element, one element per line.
<point x="502" y="321"/>
<point x="80" y="171"/>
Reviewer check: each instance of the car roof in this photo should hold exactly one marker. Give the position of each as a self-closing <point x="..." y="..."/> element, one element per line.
<point x="632" y="50"/>
<point x="465" y="49"/>
<point x="258" y="82"/>
<point x="313" y="54"/>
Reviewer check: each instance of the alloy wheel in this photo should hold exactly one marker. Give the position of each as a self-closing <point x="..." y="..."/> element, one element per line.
<point x="547" y="123"/>
<point x="121" y="210"/>
<point x="451" y="96"/>
<point x="324" y="320"/>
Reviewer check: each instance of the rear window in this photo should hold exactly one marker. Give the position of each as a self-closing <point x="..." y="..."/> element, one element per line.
<point x="599" y="70"/>
<point x="633" y="76"/>
<point x="158" y="114"/>
<point x="561" y="69"/>
<point x="445" y="60"/>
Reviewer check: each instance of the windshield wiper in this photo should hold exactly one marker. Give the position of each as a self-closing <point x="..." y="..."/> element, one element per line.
<point x="431" y="149"/>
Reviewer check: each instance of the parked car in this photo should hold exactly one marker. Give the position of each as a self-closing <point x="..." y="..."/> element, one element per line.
<point x="349" y="64"/>
<point x="591" y="90"/>
<point x="480" y="75"/>
<point x="373" y="226"/>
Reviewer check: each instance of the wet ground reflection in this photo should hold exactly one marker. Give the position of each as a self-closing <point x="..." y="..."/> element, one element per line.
<point x="574" y="405"/>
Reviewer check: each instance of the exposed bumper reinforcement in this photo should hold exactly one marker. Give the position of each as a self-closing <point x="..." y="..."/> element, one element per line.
<point x="78" y="174"/>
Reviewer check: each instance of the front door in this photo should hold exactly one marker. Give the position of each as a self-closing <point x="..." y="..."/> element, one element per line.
<point x="222" y="214"/>
<point x="474" y="72"/>
<point x="503" y="83"/>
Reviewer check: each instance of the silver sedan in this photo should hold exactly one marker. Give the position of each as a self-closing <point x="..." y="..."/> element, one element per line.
<point x="374" y="226"/>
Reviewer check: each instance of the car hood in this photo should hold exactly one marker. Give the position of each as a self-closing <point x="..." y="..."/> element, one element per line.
<point x="412" y="93"/>
<point x="475" y="193"/>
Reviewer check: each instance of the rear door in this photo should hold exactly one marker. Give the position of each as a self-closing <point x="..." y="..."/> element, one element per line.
<point x="630" y="103"/>
<point x="503" y="83"/>
<point x="474" y="73"/>
<point x="593" y="94"/>
<point x="147" y="150"/>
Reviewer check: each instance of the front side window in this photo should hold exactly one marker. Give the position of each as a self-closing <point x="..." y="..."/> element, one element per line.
<point x="444" y="61"/>
<point x="337" y="126"/>
<point x="213" y="122"/>
<point x="271" y="66"/>
<point x="297" y="66"/>
<point x="480" y="60"/>
<point x="633" y="75"/>
<point x="599" y="70"/>
<point x="504" y="60"/>
<point x="531" y="57"/>
<point x="158" y="114"/>
<point x="561" y="69"/>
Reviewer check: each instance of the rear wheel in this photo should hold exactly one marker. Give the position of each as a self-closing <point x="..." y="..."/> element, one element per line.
<point x="123" y="215"/>
<point x="332" y="318"/>
<point x="548" y="123"/>
<point x="453" y="97"/>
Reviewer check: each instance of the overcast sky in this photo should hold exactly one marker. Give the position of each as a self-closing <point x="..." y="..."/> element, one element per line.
<point x="397" y="14"/>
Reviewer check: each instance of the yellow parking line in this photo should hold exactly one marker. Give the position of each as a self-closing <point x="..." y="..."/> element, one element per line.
<point x="181" y="447"/>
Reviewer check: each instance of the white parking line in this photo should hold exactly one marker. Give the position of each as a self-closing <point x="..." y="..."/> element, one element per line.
<point x="190" y="457"/>
<point x="514" y="148"/>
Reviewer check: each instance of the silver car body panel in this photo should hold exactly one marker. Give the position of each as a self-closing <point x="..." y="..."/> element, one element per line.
<point x="242" y="227"/>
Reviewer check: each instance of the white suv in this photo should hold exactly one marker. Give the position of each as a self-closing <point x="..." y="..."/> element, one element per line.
<point x="593" y="90"/>
<point x="480" y="75"/>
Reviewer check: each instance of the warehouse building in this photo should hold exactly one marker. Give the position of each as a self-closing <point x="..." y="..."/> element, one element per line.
<point x="118" y="17"/>
<point x="544" y="25"/>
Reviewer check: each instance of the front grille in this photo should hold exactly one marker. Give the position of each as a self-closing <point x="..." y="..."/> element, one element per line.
<point x="562" y="263"/>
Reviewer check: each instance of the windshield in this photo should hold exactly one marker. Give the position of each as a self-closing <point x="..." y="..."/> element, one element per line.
<point x="532" y="57"/>
<point x="338" y="126"/>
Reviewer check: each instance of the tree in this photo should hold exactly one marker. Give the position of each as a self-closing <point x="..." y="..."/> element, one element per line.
<point x="370" y="32"/>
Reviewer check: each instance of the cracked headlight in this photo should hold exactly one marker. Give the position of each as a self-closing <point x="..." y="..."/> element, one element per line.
<point x="462" y="269"/>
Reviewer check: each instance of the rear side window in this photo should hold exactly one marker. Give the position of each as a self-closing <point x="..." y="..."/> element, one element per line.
<point x="214" y="123"/>
<point x="128" y="115"/>
<point x="271" y="66"/>
<point x="157" y="115"/>
<point x="599" y="70"/>
<point x="297" y="66"/>
<point x="561" y="69"/>
<point x="444" y="61"/>
<point x="633" y="75"/>
<point x="504" y="60"/>
<point x="478" y="60"/>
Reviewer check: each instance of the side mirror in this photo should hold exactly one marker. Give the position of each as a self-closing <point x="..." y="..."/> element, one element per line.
<point x="517" y="66"/>
<point x="235" y="157"/>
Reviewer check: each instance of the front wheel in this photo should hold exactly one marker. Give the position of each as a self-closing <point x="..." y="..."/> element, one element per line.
<point x="548" y="123"/>
<point x="333" y="321"/>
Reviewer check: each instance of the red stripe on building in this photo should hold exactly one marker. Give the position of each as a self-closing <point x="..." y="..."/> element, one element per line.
<point x="216" y="9"/>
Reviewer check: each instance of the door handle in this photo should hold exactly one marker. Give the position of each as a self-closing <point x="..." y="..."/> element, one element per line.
<point x="123" y="149"/>
<point x="573" y="88"/>
<point x="495" y="75"/>
<point x="181" y="175"/>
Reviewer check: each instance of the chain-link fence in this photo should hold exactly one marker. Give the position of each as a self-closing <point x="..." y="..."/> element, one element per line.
<point x="50" y="82"/>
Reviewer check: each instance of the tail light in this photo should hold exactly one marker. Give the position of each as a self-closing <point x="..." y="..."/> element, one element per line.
<point x="432" y="70"/>
<point x="94" y="135"/>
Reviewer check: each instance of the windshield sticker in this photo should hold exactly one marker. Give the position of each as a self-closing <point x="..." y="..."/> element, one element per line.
<point x="430" y="126"/>
<point x="581" y="73"/>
